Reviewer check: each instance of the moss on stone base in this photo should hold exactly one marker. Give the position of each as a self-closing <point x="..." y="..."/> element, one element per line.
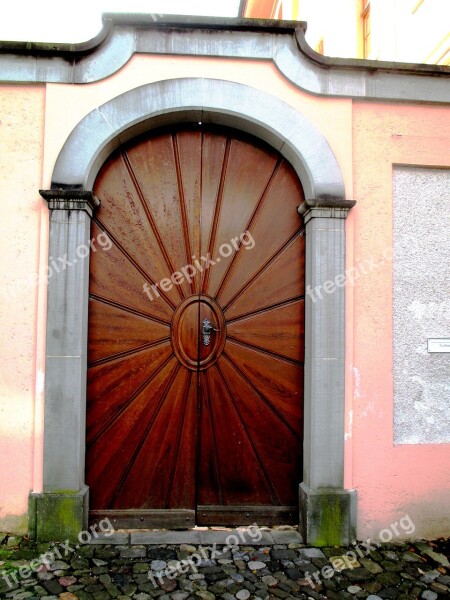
<point x="327" y="516"/>
<point x="57" y="516"/>
<point x="329" y="521"/>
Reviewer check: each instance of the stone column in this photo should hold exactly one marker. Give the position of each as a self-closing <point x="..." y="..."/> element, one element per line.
<point x="327" y="511"/>
<point x="60" y="512"/>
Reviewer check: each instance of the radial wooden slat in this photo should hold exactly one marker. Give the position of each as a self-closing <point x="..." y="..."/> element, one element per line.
<point x="274" y="330"/>
<point x="154" y="167"/>
<point x="111" y="385"/>
<point x="111" y="455"/>
<point x="182" y="492"/>
<point x="278" y="381"/>
<point x="116" y="278"/>
<point x="232" y="215"/>
<point x="126" y="216"/>
<point x="188" y="152"/>
<point x="114" y="331"/>
<point x="242" y="480"/>
<point x="215" y="151"/>
<point x="281" y="199"/>
<point x="281" y="279"/>
<point x="208" y="466"/>
<point x="274" y="441"/>
<point x="148" y="481"/>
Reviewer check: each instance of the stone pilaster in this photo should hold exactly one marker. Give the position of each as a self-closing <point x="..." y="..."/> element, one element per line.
<point x="61" y="510"/>
<point x="327" y="511"/>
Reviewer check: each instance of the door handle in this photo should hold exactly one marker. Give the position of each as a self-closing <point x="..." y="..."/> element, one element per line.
<point x="206" y="331"/>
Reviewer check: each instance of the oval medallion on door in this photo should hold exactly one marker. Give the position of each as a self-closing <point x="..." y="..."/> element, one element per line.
<point x="196" y="333"/>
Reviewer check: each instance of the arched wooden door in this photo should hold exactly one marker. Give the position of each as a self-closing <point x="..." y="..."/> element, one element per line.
<point x="186" y="424"/>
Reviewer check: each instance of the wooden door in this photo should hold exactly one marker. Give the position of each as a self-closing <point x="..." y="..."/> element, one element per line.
<point x="186" y="424"/>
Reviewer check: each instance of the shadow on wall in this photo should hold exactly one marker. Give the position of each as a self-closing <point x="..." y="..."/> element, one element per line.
<point x="424" y="517"/>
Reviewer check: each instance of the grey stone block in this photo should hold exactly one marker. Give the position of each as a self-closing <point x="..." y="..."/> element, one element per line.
<point x="114" y="538"/>
<point x="286" y="537"/>
<point x="327" y="516"/>
<point x="133" y="552"/>
<point x="283" y="554"/>
<point x="243" y="537"/>
<point x="58" y="516"/>
<point x="311" y="553"/>
<point x="166" y="537"/>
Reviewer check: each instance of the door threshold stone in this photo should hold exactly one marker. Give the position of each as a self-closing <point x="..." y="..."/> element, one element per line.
<point x="243" y="536"/>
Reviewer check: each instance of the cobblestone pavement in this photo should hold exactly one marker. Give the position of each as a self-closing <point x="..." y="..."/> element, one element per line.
<point x="250" y="570"/>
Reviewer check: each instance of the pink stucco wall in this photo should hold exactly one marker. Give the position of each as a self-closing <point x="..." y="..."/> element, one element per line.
<point x="391" y="480"/>
<point x="23" y="223"/>
<point x="367" y="139"/>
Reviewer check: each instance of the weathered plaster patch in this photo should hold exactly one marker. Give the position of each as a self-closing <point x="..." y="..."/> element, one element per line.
<point x="429" y="514"/>
<point x="357" y="383"/>
<point x="14" y="523"/>
<point x="421" y="305"/>
<point x="40" y="380"/>
<point x="349" y="428"/>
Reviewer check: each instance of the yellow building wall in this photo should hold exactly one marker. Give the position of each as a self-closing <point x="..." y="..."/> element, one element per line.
<point x="415" y="31"/>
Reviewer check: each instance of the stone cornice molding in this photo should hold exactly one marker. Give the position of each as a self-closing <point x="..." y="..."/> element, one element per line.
<point x="282" y="42"/>
<point x="71" y="199"/>
<point x="330" y="208"/>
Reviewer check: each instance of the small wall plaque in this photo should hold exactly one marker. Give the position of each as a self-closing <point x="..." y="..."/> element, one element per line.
<point x="438" y="344"/>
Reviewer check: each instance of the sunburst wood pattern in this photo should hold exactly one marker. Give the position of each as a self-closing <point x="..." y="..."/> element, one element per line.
<point x="172" y="423"/>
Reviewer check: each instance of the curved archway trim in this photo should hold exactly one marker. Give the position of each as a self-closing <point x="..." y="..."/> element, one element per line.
<point x="205" y="100"/>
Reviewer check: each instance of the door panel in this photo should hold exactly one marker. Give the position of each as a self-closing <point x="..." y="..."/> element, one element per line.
<point x="113" y="451"/>
<point x="118" y="332"/>
<point x="241" y="480"/>
<point x="214" y="148"/>
<point x="195" y="382"/>
<point x="114" y="382"/>
<point x="182" y="490"/>
<point x="188" y="146"/>
<point x="275" y="380"/>
<point x="165" y="426"/>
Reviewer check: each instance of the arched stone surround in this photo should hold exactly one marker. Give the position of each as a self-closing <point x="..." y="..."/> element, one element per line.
<point x="61" y="510"/>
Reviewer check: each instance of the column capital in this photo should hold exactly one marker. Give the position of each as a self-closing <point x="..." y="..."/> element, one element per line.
<point x="71" y="199"/>
<point x="328" y="208"/>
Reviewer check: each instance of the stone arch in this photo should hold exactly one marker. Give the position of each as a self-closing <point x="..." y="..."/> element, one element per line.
<point x="201" y="100"/>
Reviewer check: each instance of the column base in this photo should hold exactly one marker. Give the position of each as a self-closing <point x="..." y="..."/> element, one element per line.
<point x="57" y="516"/>
<point x="327" y="516"/>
